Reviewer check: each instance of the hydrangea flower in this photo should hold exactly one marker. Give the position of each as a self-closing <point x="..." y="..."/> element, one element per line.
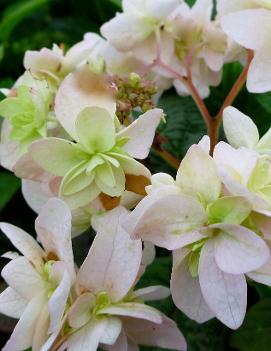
<point x="138" y="21"/>
<point x="192" y="214"/>
<point x="40" y="280"/>
<point x="108" y="311"/>
<point x="27" y="117"/>
<point x="101" y="158"/>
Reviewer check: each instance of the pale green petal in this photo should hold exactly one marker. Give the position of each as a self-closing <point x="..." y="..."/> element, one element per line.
<point x="231" y="210"/>
<point x="95" y="129"/>
<point x="119" y="187"/>
<point x="130" y="165"/>
<point x="83" y="197"/>
<point x="198" y="175"/>
<point x="56" y="156"/>
<point x="104" y="174"/>
<point x="95" y="161"/>
<point x="240" y="130"/>
<point x="13" y="106"/>
<point x="112" y="160"/>
<point x="76" y="180"/>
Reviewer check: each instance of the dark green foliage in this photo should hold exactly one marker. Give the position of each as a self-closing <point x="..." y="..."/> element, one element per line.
<point x="255" y="333"/>
<point x="33" y="24"/>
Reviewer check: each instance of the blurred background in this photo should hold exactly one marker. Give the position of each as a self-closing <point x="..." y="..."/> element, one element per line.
<point x="33" y="24"/>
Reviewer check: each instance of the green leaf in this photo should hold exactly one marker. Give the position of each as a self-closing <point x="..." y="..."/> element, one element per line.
<point x="9" y="184"/>
<point x="15" y="13"/>
<point x="255" y="333"/>
<point x="158" y="273"/>
<point x="265" y="101"/>
<point x="116" y="3"/>
<point x="184" y="126"/>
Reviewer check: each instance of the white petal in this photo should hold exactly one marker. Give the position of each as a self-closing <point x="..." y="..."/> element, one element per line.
<point x="25" y="243"/>
<point x="240" y="130"/>
<point x="80" y="311"/>
<point x="53" y="226"/>
<point x="239" y="250"/>
<point x="263" y="274"/>
<point x="12" y="304"/>
<point x="141" y="133"/>
<point x="226" y="294"/>
<point x="86" y="338"/>
<point x="152" y="293"/>
<point x="23" y="333"/>
<point x="165" y="335"/>
<point x="126" y="31"/>
<point x="58" y="302"/>
<point x="41" y="329"/>
<point x="185" y="290"/>
<point x="249" y="28"/>
<point x="22" y="277"/>
<point x="171" y="222"/>
<point x="112" y="331"/>
<point x="133" y="309"/>
<point x="113" y="260"/>
<point x="259" y="74"/>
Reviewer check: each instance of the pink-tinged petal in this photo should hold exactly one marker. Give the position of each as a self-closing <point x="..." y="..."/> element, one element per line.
<point x="152" y="293"/>
<point x="133" y="219"/>
<point x="79" y="313"/>
<point x="12" y="304"/>
<point x="25" y="243"/>
<point x="36" y="194"/>
<point x="165" y="335"/>
<point x="58" y="302"/>
<point x="240" y="130"/>
<point x="113" y="260"/>
<point x="259" y="74"/>
<point x="86" y="338"/>
<point x="79" y="90"/>
<point x="263" y="274"/>
<point x="171" y="222"/>
<point x="22" y="336"/>
<point x="226" y="294"/>
<point x="41" y="329"/>
<point x="121" y="344"/>
<point x="133" y="309"/>
<point x="23" y="278"/>
<point x="53" y="226"/>
<point x="199" y="167"/>
<point x="249" y="28"/>
<point x="186" y="291"/>
<point x="27" y="168"/>
<point x="238" y="250"/>
<point x="9" y="150"/>
<point x="54" y="155"/>
<point x="141" y="133"/>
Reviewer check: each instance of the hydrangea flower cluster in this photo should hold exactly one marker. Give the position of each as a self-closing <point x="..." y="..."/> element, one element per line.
<point x="71" y="135"/>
